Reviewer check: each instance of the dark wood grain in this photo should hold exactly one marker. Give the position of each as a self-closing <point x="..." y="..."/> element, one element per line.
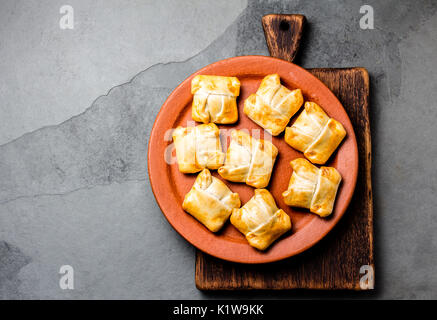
<point x="335" y="262"/>
<point x="283" y="33"/>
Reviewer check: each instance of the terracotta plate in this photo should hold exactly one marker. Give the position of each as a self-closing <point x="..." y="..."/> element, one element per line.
<point x="170" y="186"/>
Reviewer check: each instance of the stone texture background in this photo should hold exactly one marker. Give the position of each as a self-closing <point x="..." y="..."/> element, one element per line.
<point x="77" y="107"/>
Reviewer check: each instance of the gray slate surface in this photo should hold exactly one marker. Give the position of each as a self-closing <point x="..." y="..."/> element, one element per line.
<point x="77" y="192"/>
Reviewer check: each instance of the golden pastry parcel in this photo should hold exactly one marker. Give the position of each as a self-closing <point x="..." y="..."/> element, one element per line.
<point x="215" y="99"/>
<point x="272" y="106"/>
<point x="210" y="201"/>
<point x="315" y="134"/>
<point x="249" y="160"/>
<point x="260" y="220"/>
<point x="198" y="147"/>
<point x="312" y="188"/>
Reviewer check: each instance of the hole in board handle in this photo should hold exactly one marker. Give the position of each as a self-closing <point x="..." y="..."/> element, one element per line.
<point x="284" y="25"/>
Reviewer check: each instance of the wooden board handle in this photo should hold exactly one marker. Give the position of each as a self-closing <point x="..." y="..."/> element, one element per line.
<point x="283" y="33"/>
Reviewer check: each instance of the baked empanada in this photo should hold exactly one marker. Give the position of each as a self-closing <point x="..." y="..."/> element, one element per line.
<point x="198" y="148"/>
<point x="273" y="105"/>
<point x="215" y="99"/>
<point x="315" y="134"/>
<point x="312" y="188"/>
<point x="260" y="220"/>
<point x="249" y="160"/>
<point x="210" y="201"/>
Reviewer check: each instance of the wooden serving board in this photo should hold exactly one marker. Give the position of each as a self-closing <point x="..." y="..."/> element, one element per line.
<point x="335" y="262"/>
